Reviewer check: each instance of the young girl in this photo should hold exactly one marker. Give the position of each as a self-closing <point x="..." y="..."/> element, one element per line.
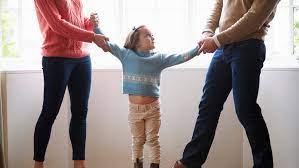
<point x="141" y="80"/>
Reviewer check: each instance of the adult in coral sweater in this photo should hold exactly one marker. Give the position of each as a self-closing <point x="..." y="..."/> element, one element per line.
<point x="66" y="63"/>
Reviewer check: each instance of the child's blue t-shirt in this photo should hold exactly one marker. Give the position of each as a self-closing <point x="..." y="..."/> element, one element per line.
<point x="142" y="71"/>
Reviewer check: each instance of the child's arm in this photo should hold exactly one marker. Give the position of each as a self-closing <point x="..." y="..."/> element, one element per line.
<point x="97" y="30"/>
<point x="169" y="60"/>
<point x="115" y="50"/>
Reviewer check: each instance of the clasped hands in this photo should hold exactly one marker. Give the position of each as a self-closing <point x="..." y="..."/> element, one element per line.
<point x="207" y="43"/>
<point x="99" y="39"/>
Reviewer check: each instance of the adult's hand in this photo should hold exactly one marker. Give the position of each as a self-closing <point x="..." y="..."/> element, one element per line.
<point x="94" y="19"/>
<point x="101" y="41"/>
<point x="208" y="45"/>
<point x="205" y="34"/>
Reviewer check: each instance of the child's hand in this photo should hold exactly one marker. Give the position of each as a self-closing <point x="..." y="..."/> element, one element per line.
<point x="94" y="19"/>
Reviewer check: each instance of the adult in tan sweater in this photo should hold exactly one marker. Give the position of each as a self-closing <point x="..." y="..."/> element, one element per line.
<point x="236" y="65"/>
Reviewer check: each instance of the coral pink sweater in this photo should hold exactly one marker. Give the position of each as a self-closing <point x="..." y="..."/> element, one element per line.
<point x="64" y="28"/>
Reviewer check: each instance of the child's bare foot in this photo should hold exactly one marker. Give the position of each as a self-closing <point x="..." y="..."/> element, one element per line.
<point x="38" y="164"/>
<point x="79" y="164"/>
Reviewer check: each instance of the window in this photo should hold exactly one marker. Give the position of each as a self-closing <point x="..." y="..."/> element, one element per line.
<point x="31" y="38"/>
<point x="19" y="32"/>
<point x="8" y="28"/>
<point x="171" y="35"/>
<point x="176" y="25"/>
<point x="279" y="40"/>
<point x="296" y="27"/>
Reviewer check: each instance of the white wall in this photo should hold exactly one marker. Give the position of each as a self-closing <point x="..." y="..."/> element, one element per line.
<point x="279" y="100"/>
<point x="108" y="141"/>
<point x="24" y="102"/>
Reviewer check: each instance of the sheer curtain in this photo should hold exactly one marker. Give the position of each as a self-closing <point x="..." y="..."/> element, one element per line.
<point x="176" y="25"/>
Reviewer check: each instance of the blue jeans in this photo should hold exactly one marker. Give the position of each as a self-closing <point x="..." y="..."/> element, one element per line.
<point x="59" y="73"/>
<point x="236" y="67"/>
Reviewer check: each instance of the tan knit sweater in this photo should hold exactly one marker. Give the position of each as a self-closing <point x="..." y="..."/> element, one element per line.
<point x="241" y="19"/>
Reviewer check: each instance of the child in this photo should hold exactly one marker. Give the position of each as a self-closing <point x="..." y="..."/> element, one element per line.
<point x="141" y="80"/>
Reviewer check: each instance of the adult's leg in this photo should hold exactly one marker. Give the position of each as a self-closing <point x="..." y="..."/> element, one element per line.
<point x="56" y="73"/>
<point x="79" y="89"/>
<point x="217" y="88"/>
<point x="246" y="64"/>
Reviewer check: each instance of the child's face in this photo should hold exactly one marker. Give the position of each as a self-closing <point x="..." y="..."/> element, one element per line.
<point x="146" y="40"/>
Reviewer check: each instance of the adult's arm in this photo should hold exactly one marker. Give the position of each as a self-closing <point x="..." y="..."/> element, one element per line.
<point x="50" y="13"/>
<point x="251" y="22"/>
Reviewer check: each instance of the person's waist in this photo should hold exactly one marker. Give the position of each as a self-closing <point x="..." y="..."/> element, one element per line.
<point x="67" y="58"/>
<point x="144" y="107"/>
<point x="138" y="99"/>
<point x="242" y="42"/>
<point x="65" y="52"/>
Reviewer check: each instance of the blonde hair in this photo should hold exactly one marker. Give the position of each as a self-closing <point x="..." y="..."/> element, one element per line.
<point x="133" y="38"/>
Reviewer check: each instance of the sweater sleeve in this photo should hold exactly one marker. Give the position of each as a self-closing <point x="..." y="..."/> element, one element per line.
<point x="169" y="60"/>
<point x="251" y="22"/>
<point x="115" y="50"/>
<point x="213" y="19"/>
<point x="50" y="13"/>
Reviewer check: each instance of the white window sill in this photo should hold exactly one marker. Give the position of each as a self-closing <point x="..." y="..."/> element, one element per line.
<point x="201" y="62"/>
<point x="281" y="63"/>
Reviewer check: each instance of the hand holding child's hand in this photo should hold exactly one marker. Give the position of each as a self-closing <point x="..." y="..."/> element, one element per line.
<point x="101" y="41"/>
<point x="94" y="19"/>
<point x="205" y="34"/>
<point x="207" y="45"/>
